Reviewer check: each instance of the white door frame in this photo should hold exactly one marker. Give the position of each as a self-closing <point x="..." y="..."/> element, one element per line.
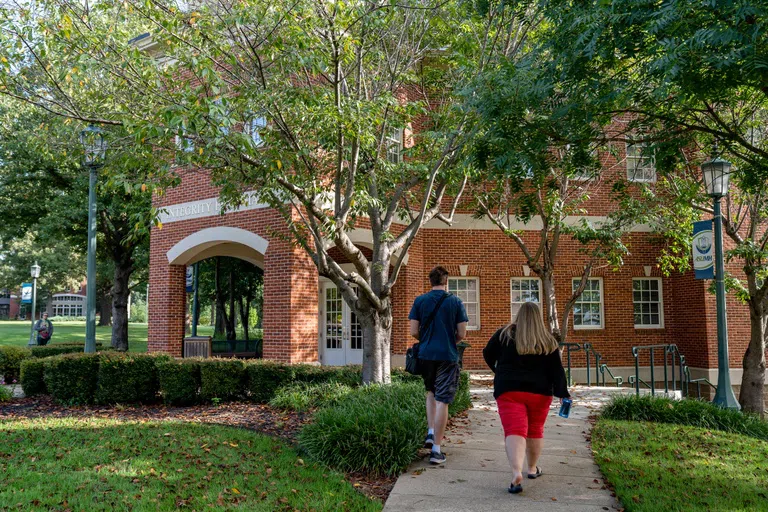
<point x="343" y="352"/>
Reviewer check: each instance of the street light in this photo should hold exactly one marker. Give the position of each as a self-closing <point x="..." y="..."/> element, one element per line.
<point x="716" y="177"/>
<point x="94" y="149"/>
<point x="35" y="273"/>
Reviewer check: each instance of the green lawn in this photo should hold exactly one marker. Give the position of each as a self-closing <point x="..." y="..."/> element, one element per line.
<point x="656" y="466"/>
<point x="105" y="464"/>
<point x="17" y="333"/>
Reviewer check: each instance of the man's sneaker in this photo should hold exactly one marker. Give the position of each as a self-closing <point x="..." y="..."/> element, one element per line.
<point x="429" y="441"/>
<point x="437" y="458"/>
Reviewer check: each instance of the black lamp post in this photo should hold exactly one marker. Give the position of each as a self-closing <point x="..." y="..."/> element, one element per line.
<point x="35" y="273"/>
<point x="94" y="150"/>
<point x="716" y="177"/>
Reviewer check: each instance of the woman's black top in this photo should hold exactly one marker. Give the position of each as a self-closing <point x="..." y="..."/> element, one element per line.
<point x="540" y="374"/>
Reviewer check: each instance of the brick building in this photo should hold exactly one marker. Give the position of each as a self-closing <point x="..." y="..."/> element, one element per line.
<point x="305" y="319"/>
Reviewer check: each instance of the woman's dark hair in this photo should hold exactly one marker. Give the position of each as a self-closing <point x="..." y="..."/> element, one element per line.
<point x="438" y="276"/>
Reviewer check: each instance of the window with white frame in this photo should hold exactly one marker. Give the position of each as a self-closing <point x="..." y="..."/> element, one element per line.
<point x="647" y="302"/>
<point x="395" y="146"/>
<point x="588" y="308"/>
<point x="254" y="128"/>
<point x="522" y="290"/>
<point x="467" y="289"/>
<point x="641" y="166"/>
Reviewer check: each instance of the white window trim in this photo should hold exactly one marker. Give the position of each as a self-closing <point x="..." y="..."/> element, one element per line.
<point x="602" y="308"/>
<point x="395" y="139"/>
<point x="477" y="280"/>
<point x="661" y="303"/>
<point x="518" y="278"/>
<point x="255" y="125"/>
<point x="632" y="169"/>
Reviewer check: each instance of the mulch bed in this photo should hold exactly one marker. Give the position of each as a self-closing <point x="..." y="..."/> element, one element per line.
<point x="258" y="417"/>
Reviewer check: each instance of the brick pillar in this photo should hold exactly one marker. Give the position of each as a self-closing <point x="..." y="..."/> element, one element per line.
<point x="167" y="306"/>
<point x="290" y="304"/>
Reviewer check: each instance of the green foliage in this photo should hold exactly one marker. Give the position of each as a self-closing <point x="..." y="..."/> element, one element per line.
<point x="139" y="311"/>
<point x="72" y="378"/>
<point x="400" y="375"/>
<point x="303" y="396"/>
<point x="180" y="381"/>
<point x="655" y="466"/>
<point x="223" y="378"/>
<point x="128" y="378"/>
<point x="5" y="395"/>
<point x="265" y="377"/>
<point x="32" y="376"/>
<point x="376" y="429"/>
<point x="693" y="413"/>
<point x="10" y="361"/>
<point x="62" y="348"/>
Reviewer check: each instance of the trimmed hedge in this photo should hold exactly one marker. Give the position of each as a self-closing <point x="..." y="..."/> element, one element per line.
<point x="463" y="400"/>
<point x="33" y="376"/>
<point x="694" y="413"/>
<point x="61" y="348"/>
<point x="179" y="381"/>
<point x="264" y="378"/>
<point x="5" y="394"/>
<point x="10" y="361"/>
<point x="128" y="378"/>
<point x="302" y="396"/>
<point x="223" y="379"/>
<point x="72" y="378"/>
<point x="376" y="429"/>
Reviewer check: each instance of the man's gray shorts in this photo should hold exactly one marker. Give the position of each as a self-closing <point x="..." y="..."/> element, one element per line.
<point x="440" y="377"/>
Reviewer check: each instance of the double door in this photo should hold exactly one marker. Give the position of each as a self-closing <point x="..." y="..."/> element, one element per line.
<point x="341" y="333"/>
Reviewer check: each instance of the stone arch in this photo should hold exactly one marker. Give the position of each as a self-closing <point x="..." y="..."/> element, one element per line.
<point x="219" y="241"/>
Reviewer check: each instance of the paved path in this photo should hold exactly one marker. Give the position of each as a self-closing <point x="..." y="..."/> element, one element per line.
<point x="477" y="474"/>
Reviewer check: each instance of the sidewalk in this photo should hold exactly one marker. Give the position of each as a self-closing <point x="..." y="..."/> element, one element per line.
<point x="477" y="474"/>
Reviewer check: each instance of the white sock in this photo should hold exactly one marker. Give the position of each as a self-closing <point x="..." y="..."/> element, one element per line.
<point x="436" y="448"/>
<point x="431" y="432"/>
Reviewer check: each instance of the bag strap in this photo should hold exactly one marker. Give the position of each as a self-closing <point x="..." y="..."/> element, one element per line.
<point x="431" y="316"/>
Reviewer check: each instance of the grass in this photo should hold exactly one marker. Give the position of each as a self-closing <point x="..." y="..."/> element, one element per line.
<point x="17" y="333"/>
<point x="106" y="464"/>
<point x="656" y="466"/>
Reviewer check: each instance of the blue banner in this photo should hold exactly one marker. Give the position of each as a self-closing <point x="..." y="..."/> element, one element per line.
<point x="26" y="293"/>
<point x="190" y="279"/>
<point x="703" y="250"/>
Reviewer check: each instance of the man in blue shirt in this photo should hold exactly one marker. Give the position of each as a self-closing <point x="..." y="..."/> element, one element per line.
<point x="438" y="356"/>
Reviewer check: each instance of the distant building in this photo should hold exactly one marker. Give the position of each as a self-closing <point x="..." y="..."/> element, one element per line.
<point x="9" y="305"/>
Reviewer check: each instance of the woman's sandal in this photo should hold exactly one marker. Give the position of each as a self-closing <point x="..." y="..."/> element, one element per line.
<point x="515" y="488"/>
<point x="533" y="476"/>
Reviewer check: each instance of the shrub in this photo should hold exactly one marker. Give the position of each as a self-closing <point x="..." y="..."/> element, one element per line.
<point x="302" y="396"/>
<point x="32" y="376"/>
<point x="10" y="361"/>
<point x="374" y="429"/>
<point x="5" y="394"/>
<point x="65" y="319"/>
<point x="224" y="379"/>
<point x="179" y="381"/>
<point x="693" y="413"/>
<point x="55" y="350"/>
<point x="264" y="378"/>
<point x="463" y="400"/>
<point x="72" y="378"/>
<point x="128" y="378"/>
<point x="400" y="375"/>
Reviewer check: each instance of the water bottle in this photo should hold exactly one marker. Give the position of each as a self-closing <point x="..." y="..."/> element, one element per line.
<point x="565" y="408"/>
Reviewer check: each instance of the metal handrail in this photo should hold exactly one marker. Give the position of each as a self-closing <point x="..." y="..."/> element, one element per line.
<point x="575" y="347"/>
<point x="634" y="378"/>
<point x="698" y="382"/>
<point x="618" y="380"/>
<point x="671" y="356"/>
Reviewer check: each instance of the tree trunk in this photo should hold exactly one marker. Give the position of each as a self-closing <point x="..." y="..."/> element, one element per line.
<point x="548" y="287"/>
<point x="105" y="308"/>
<point x="377" y="330"/>
<point x="120" y="293"/>
<point x="753" y="381"/>
<point x="231" y="333"/>
<point x="244" y="311"/>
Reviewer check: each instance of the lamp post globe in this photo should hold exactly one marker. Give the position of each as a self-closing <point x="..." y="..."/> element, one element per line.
<point x="716" y="180"/>
<point x="34" y="273"/>
<point x="94" y="151"/>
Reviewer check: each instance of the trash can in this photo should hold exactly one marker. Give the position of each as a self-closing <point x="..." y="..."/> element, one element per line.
<point x="462" y="346"/>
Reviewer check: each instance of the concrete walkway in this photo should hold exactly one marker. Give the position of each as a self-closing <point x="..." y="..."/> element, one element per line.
<point x="477" y="474"/>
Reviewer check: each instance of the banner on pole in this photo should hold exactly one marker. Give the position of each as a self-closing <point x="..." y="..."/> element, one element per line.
<point x="703" y="250"/>
<point x="26" y="293"/>
<point x="190" y="279"/>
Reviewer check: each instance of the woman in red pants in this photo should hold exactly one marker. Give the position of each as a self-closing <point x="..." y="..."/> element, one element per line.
<point x="526" y="360"/>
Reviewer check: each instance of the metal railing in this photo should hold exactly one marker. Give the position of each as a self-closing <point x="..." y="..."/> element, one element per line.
<point x="698" y="382"/>
<point x="674" y="363"/>
<point x="570" y="347"/>
<point x="617" y="379"/>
